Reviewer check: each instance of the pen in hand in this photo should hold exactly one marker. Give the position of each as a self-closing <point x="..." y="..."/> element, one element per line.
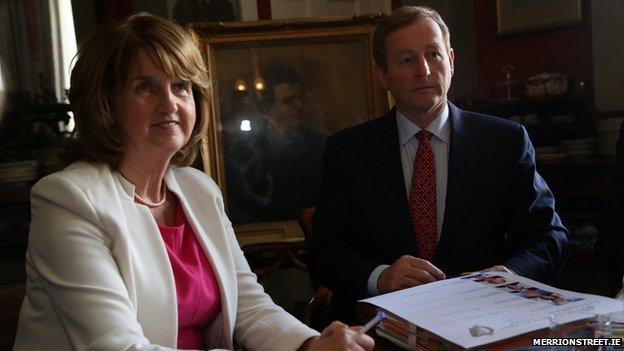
<point x="380" y="316"/>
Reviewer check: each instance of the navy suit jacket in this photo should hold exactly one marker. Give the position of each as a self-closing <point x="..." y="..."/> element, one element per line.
<point x="498" y="208"/>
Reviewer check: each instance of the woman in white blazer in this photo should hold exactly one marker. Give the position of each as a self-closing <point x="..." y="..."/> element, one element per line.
<point x="100" y="275"/>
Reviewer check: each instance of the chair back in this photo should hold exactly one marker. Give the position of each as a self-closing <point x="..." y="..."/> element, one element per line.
<point x="305" y="222"/>
<point x="317" y="313"/>
<point x="11" y="298"/>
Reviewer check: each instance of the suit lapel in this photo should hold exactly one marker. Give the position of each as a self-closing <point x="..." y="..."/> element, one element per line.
<point x="463" y="158"/>
<point x="387" y="153"/>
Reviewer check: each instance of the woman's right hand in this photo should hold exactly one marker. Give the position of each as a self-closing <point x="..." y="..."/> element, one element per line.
<point x="339" y="336"/>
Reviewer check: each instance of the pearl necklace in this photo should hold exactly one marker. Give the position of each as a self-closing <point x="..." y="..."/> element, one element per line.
<point x="142" y="201"/>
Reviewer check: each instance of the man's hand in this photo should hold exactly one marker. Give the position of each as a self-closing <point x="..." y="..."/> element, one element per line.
<point x="406" y="272"/>
<point x="497" y="268"/>
<point x="338" y="336"/>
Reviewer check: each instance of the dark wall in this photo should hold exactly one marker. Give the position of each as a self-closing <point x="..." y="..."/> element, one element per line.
<point x="88" y="14"/>
<point x="566" y="50"/>
<point x="608" y="54"/>
<point x="459" y="17"/>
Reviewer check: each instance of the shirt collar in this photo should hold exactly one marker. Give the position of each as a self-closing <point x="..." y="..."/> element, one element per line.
<point x="440" y="127"/>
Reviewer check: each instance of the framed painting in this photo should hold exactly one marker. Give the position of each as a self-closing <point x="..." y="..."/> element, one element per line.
<point x="188" y="11"/>
<point x="514" y="16"/>
<point x="279" y="88"/>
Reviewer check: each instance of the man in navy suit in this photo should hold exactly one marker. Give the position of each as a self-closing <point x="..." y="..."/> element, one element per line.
<point x="428" y="191"/>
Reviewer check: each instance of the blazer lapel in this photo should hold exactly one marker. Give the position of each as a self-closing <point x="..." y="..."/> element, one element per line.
<point x="143" y="234"/>
<point x="213" y="251"/>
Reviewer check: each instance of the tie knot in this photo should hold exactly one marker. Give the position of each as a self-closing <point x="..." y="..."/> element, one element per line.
<point x="424" y="135"/>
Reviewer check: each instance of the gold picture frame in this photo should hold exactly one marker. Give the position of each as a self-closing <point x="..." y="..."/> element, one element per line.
<point x="327" y="72"/>
<point x="522" y="16"/>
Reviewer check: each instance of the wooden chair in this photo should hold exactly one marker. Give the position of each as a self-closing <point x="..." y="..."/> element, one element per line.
<point x="317" y="312"/>
<point x="11" y="297"/>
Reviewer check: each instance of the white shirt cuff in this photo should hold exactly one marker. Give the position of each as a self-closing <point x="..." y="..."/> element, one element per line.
<point x="373" y="278"/>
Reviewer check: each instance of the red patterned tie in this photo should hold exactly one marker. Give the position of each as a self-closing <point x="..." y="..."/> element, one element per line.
<point x="422" y="199"/>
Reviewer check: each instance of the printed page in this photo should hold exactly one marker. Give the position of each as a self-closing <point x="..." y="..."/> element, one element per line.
<point x="483" y="308"/>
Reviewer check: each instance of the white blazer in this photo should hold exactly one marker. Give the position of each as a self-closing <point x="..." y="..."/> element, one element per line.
<point x="99" y="277"/>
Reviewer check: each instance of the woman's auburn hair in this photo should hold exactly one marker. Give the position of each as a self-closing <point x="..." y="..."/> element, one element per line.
<point x="102" y="68"/>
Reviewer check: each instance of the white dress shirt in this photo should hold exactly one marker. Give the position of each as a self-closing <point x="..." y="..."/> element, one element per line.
<point x="440" y="127"/>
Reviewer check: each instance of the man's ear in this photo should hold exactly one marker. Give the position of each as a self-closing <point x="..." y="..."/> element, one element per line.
<point x="382" y="75"/>
<point x="452" y="61"/>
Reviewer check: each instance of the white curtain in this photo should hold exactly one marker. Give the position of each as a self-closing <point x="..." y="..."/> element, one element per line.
<point x="64" y="44"/>
<point x="37" y="44"/>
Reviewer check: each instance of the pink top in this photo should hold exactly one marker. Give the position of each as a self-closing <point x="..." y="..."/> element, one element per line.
<point x="196" y="285"/>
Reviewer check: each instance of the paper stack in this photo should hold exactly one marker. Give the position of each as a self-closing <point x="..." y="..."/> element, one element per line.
<point x="477" y="310"/>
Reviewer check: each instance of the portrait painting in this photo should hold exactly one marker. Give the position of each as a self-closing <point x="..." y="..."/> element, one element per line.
<point x="278" y="95"/>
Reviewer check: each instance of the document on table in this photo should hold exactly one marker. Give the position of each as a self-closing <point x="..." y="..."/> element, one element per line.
<point x="487" y="307"/>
